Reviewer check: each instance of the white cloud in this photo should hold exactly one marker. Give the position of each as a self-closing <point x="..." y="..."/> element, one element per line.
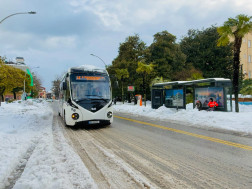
<point x="23" y="41"/>
<point x="125" y="14"/>
<point x="121" y="12"/>
<point x="244" y="4"/>
<point x="55" y="42"/>
<point x="107" y="11"/>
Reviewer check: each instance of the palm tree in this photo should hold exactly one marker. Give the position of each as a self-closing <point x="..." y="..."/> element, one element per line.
<point x="144" y="70"/>
<point x="235" y="28"/>
<point x="122" y="74"/>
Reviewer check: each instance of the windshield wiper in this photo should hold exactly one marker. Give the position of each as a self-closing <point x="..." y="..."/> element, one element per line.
<point x="104" y="99"/>
<point x="99" y="98"/>
<point x="82" y="99"/>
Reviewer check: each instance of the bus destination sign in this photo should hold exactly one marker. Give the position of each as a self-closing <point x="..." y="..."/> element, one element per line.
<point x="90" y="78"/>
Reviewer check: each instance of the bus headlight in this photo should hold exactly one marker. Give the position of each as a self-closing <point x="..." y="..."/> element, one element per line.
<point x="75" y="116"/>
<point x="109" y="114"/>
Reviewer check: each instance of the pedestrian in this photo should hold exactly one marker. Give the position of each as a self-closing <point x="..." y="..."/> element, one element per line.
<point x="212" y="105"/>
<point x="198" y="105"/>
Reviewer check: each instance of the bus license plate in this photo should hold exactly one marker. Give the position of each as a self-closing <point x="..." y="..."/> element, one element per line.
<point x="93" y="122"/>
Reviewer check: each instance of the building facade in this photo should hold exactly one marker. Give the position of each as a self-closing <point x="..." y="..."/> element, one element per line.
<point x="42" y="92"/>
<point x="246" y="56"/>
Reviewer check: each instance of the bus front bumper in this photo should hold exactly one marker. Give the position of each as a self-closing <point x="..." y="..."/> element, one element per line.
<point x="93" y="122"/>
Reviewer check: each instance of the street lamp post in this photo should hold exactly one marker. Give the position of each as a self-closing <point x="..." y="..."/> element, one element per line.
<point x="100" y="59"/>
<point x="31" y="12"/>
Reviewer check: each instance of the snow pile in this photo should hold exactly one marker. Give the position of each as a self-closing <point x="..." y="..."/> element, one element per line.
<point x="240" y="122"/>
<point x="19" y="131"/>
<point x="242" y="96"/>
<point x="33" y="151"/>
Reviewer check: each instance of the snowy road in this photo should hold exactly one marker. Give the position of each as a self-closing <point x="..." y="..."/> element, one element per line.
<point x="106" y="168"/>
<point x="37" y="151"/>
<point x="134" y="155"/>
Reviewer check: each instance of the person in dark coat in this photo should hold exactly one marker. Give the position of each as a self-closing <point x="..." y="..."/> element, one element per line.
<point x="198" y="105"/>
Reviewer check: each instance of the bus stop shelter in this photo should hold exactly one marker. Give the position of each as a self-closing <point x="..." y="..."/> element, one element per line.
<point x="173" y="94"/>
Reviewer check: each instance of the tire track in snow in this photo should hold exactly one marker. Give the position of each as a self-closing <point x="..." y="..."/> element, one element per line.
<point x="96" y="174"/>
<point x="116" y="172"/>
<point x="60" y="143"/>
<point x="137" y="157"/>
<point x="134" y="152"/>
<point x="17" y="172"/>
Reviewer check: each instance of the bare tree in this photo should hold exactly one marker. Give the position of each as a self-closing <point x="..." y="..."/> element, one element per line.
<point x="56" y="87"/>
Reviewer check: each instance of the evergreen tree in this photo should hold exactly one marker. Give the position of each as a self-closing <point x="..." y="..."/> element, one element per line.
<point x="166" y="55"/>
<point x="144" y="70"/>
<point x="203" y="53"/>
<point x="130" y="53"/>
<point x="246" y="87"/>
<point x="122" y="75"/>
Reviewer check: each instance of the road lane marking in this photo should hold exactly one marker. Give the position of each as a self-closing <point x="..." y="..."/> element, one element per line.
<point x="191" y="134"/>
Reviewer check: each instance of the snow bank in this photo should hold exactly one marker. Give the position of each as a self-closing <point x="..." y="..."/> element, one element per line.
<point x="19" y="131"/>
<point x="242" y="96"/>
<point x="33" y="150"/>
<point x="240" y="122"/>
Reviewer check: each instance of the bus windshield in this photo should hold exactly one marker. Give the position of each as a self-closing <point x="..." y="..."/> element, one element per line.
<point x="93" y="89"/>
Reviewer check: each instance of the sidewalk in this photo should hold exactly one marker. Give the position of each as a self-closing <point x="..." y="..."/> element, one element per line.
<point x="238" y="122"/>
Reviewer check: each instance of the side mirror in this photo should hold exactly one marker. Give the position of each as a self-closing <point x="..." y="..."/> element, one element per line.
<point x="69" y="101"/>
<point x="64" y="86"/>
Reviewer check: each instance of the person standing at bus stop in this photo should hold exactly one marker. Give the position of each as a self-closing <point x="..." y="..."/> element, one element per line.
<point x="212" y="105"/>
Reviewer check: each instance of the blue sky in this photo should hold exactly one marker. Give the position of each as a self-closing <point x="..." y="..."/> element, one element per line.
<point x="64" y="33"/>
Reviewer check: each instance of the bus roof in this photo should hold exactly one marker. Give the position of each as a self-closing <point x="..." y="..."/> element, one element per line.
<point x="87" y="68"/>
<point x="223" y="80"/>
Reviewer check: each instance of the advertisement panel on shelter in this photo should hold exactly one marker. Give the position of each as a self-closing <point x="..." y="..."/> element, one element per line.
<point x="174" y="98"/>
<point x="204" y="94"/>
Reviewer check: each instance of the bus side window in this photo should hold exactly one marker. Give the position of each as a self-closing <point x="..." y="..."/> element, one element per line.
<point x="67" y="97"/>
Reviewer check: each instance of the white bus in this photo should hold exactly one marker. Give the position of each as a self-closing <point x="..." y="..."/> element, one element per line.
<point x="85" y="97"/>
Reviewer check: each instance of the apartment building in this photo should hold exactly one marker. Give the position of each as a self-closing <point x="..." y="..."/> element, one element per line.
<point x="246" y="56"/>
<point x="42" y="92"/>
